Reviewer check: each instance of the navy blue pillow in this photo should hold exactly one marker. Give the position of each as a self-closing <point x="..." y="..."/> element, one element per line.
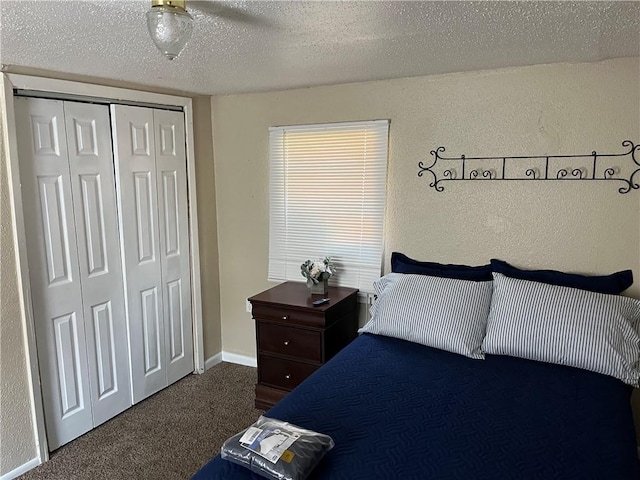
<point x="400" y="263"/>
<point x="613" y="284"/>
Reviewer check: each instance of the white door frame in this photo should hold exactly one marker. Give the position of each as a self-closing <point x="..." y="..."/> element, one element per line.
<point x="9" y="82"/>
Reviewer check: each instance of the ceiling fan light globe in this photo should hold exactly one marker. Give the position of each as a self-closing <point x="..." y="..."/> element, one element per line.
<point x="170" y="29"/>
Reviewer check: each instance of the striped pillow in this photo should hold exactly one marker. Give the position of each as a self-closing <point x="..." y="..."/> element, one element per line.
<point x="444" y="313"/>
<point x="564" y="325"/>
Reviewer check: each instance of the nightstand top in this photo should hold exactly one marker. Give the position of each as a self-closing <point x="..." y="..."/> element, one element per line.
<point x="297" y="295"/>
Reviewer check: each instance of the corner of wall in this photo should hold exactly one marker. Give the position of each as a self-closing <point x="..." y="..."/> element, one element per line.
<point x="213" y="361"/>
<point x="207" y="225"/>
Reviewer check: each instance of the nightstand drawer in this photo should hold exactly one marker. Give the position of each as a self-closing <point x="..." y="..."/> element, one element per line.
<point x="291" y="341"/>
<point x="282" y="373"/>
<point x="277" y="314"/>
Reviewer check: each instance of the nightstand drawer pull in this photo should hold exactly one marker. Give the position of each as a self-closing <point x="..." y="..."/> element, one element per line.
<point x="286" y="343"/>
<point x="285" y="317"/>
<point x="287" y="376"/>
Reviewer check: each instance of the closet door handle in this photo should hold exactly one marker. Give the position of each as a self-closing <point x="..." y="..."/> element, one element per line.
<point x="286" y="343"/>
<point x="287" y="376"/>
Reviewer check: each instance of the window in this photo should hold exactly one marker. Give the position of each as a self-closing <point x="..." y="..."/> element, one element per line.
<point x="327" y="198"/>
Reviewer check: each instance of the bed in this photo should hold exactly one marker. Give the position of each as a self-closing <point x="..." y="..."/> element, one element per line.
<point x="477" y="373"/>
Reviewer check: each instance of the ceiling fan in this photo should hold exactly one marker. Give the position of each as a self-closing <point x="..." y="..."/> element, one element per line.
<point x="170" y="24"/>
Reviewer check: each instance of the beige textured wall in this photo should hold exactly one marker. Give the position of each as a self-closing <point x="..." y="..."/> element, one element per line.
<point x="560" y="108"/>
<point x="554" y="109"/>
<point x="207" y="233"/>
<point x="17" y="443"/>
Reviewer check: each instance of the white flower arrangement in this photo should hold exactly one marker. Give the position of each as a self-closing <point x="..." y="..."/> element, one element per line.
<point x="317" y="271"/>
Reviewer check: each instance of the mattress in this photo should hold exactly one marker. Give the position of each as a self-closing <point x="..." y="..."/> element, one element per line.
<point x="401" y="410"/>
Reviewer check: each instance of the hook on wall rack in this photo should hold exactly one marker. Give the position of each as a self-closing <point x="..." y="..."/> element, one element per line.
<point x="594" y="166"/>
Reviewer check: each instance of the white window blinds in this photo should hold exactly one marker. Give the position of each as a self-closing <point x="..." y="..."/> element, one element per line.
<point x="327" y="198"/>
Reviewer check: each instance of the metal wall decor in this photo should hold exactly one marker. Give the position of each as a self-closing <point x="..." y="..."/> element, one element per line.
<point x="596" y="166"/>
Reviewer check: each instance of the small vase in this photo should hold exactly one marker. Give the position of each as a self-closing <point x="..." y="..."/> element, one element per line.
<point x="320" y="288"/>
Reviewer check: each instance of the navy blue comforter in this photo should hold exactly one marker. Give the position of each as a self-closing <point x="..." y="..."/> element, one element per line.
<point x="399" y="410"/>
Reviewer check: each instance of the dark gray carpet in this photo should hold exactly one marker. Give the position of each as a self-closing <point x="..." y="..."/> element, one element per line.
<point x="168" y="436"/>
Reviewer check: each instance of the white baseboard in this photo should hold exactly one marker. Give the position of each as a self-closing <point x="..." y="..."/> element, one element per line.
<point x="24" y="468"/>
<point x="228" y="357"/>
<point x="212" y="361"/>
<point x="239" y="359"/>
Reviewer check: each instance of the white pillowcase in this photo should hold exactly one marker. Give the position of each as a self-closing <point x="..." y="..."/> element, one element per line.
<point x="564" y="325"/>
<point x="443" y="313"/>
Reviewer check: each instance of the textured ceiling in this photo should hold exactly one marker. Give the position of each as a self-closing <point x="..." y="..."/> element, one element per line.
<point x="259" y="46"/>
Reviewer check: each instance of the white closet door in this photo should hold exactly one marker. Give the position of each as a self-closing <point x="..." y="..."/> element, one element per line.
<point x="171" y="165"/>
<point x="134" y="146"/>
<point x="93" y="188"/>
<point x="54" y="271"/>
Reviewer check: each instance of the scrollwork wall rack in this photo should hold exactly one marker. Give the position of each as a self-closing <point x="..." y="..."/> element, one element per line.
<point x="593" y="167"/>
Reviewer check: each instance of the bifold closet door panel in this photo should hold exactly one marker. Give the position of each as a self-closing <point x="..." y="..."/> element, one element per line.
<point x="93" y="187"/>
<point x="53" y="268"/>
<point x="171" y="165"/>
<point x="134" y="148"/>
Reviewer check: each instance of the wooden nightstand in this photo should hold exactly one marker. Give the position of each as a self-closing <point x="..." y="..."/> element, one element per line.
<point x="294" y="338"/>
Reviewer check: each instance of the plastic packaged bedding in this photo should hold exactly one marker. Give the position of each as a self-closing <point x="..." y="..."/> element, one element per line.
<point x="277" y="450"/>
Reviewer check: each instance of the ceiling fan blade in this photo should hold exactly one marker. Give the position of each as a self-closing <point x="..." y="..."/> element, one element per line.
<point x="228" y="12"/>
